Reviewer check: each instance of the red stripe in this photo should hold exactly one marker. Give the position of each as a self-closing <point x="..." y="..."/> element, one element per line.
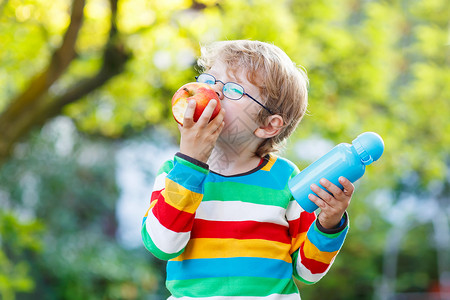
<point x="302" y="223"/>
<point x="240" y="230"/>
<point x="172" y="218"/>
<point x="155" y="195"/>
<point x="316" y="267"/>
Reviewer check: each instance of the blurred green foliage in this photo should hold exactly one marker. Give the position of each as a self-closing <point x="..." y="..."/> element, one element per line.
<point x="378" y="66"/>
<point x="59" y="226"/>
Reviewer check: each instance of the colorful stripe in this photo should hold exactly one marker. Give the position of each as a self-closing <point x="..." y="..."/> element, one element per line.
<point x="311" y="252"/>
<point x="202" y="248"/>
<point x="231" y="286"/>
<point x="313" y="265"/>
<point x="172" y="218"/>
<point x="164" y="239"/>
<point x="180" y="197"/>
<point x="240" y="230"/>
<point x="160" y="182"/>
<point x="326" y="242"/>
<point x="187" y="175"/>
<point x="270" y="163"/>
<point x="190" y="165"/>
<point x="237" y="191"/>
<point x="294" y="210"/>
<point x="153" y="248"/>
<point x="238" y="237"/>
<point x="276" y="179"/>
<point x="228" y="267"/>
<point x="302" y="223"/>
<point x="298" y="228"/>
<point x="241" y="211"/>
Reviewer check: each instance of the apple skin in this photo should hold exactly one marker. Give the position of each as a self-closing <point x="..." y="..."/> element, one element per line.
<point x="202" y="93"/>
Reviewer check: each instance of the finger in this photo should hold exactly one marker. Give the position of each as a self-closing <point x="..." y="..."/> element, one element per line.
<point x="349" y="188"/>
<point x="216" y="126"/>
<point x="207" y="112"/>
<point x="321" y="193"/>
<point x="188" y="119"/>
<point x="221" y="116"/>
<point x="218" y="120"/>
<point x="317" y="201"/>
<point x="219" y="129"/>
<point x="332" y="188"/>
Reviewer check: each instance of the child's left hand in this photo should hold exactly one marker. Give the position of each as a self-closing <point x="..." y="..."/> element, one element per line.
<point x="332" y="203"/>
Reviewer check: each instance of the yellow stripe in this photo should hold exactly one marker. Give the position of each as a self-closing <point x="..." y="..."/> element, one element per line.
<point x="153" y="203"/>
<point x="297" y="242"/>
<point x="146" y="214"/>
<point x="201" y="248"/>
<point x="181" y="198"/>
<point x="272" y="160"/>
<point x="312" y="252"/>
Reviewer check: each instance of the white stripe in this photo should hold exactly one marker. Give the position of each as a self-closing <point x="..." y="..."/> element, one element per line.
<point x="269" y="297"/>
<point x="240" y="211"/>
<point x="294" y="210"/>
<point x="307" y="275"/>
<point x="160" y="182"/>
<point x="166" y="240"/>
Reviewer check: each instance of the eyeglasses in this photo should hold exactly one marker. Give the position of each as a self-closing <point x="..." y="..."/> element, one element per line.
<point x="231" y="90"/>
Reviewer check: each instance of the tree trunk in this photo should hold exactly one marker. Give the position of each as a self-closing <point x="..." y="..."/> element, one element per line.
<point x="34" y="106"/>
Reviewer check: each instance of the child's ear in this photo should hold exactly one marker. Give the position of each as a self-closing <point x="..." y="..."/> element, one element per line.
<point x="274" y="124"/>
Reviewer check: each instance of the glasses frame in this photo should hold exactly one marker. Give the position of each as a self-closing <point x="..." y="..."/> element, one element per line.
<point x="231" y="82"/>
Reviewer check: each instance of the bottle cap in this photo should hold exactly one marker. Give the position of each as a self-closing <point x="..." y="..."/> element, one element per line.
<point x="369" y="146"/>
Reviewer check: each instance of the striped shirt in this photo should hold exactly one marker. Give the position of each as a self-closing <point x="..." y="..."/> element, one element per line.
<point x="235" y="237"/>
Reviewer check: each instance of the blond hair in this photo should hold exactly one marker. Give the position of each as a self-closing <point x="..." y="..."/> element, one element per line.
<point x="282" y="84"/>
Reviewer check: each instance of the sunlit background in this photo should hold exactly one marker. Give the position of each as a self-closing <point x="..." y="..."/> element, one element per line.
<point x="85" y="123"/>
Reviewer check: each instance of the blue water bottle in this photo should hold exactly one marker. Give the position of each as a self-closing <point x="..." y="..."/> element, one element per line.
<point x="348" y="160"/>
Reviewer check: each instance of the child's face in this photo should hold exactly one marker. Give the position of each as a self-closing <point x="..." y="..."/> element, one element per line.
<point x="240" y="115"/>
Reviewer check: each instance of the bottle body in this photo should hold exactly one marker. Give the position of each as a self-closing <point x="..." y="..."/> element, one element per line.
<point x="342" y="160"/>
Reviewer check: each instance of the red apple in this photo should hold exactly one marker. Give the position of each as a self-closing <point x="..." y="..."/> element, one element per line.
<point x="202" y="93"/>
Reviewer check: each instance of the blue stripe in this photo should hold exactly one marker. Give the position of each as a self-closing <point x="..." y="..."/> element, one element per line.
<point x="187" y="177"/>
<point x="325" y="242"/>
<point x="276" y="179"/>
<point x="228" y="267"/>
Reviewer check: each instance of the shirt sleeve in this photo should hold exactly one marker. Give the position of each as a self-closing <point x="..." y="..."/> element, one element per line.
<point x="177" y="193"/>
<point x="317" y="247"/>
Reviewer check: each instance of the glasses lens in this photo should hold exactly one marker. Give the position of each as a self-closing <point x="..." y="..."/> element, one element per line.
<point x="233" y="90"/>
<point x="206" y="78"/>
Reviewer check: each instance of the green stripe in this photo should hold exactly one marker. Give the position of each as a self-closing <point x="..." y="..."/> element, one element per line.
<point x="231" y="286"/>
<point x="166" y="167"/>
<point x="294" y="263"/>
<point x="148" y="243"/>
<point x="191" y="165"/>
<point x="303" y="280"/>
<point x="328" y="235"/>
<point x="232" y="191"/>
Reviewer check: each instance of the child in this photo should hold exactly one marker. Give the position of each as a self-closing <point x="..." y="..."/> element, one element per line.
<point x="221" y="211"/>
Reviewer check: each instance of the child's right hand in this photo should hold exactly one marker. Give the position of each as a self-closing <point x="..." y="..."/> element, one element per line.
<point x="332" y="200"/>
<point x="199" y="138"/>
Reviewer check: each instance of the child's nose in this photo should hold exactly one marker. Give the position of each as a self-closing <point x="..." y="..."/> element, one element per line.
<point x="218" y="87"/>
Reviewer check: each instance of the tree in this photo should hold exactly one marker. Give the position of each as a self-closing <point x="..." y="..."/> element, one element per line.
<point x="35" y="105"/>
<point x="59" y="227"/>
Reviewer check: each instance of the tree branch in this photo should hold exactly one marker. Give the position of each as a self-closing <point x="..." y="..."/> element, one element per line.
<point x="59" y="62"/>
<point x="34" y="106"/>
<point x="114" y="60"/>
<point x="12" y="123"/>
